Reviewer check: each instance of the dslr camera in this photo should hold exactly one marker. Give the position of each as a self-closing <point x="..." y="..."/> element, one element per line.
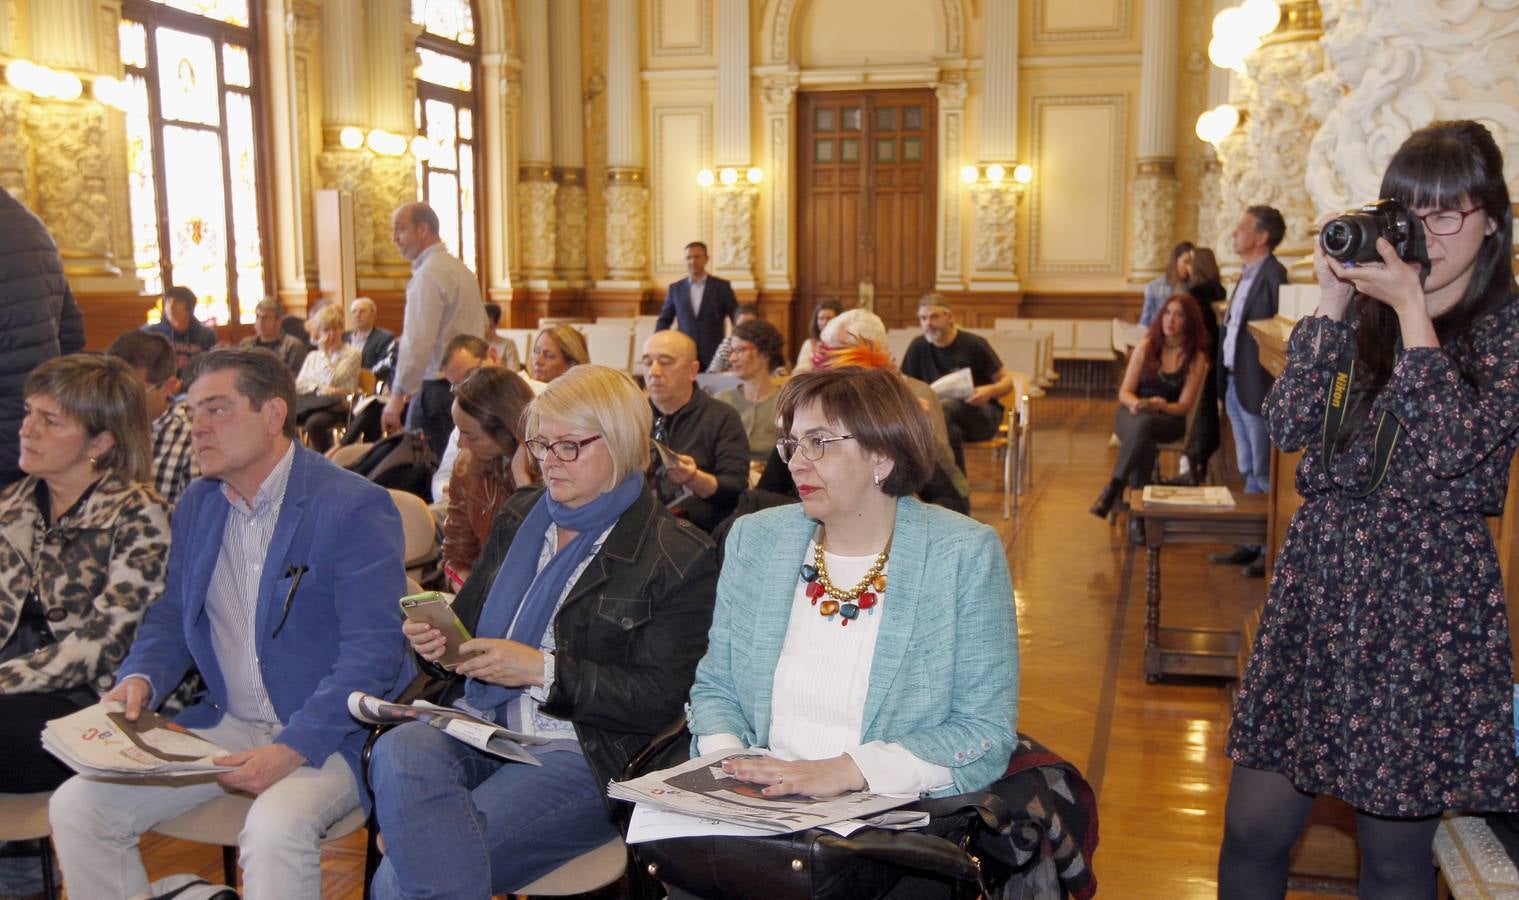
<point x="1351" y="237"/>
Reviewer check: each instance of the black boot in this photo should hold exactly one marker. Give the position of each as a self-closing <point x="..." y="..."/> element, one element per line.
<point x="1106" y="499"/>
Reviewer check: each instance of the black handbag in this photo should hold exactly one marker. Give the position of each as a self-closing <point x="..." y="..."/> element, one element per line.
<point x="817" y="864"/>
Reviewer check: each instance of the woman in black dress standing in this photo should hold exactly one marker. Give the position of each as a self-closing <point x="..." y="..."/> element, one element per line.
<point x="1164" y="378"/>
<point x="1200" y="269"/>
<point x="1381" y="672"/>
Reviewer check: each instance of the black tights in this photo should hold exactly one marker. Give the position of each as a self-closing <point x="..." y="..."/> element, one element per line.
<point x="1263" y="818"/>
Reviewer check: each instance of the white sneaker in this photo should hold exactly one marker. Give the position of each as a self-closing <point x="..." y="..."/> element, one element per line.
<point x="186" y="886"/>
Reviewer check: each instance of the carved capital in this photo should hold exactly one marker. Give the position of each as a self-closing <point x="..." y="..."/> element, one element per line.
<point x="536" y="218"/>
<point x="13" y="151"/>
<point x="952" y="90"/>
<point x="72" y="182"/>
<point x="1152" y="216"/>
<point x="394" y="182"/>
<point x="779" y="92"/>
<point x="627" y="229"/>
<point x="995" y="227"/>
<point x="733" y="213"/>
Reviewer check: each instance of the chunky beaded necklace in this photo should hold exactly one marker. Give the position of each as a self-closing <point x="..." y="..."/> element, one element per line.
<point x="866" y="594"/>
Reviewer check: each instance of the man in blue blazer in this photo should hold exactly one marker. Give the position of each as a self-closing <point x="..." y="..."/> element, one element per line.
<point x="699" y="304"/>
<point x="281" y="589"/>
<point x="1242" y="380"/>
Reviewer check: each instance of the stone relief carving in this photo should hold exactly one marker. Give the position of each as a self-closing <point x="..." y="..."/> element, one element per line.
<point x="13" y="150"/>
<point x="1392" y="66"/>
<point x="733" y="209"/>
<point x="1152" y="206"/>
<point x="949" y="213"/>
<point x="71" y="178"/>
<point x="1280" y="127"/>
<point x="779" y="92"/>
<point x="570" y="210"/>
<point x="1235" y="184"/>
<point x="348" y="170"/>
<point x="627" y="230"/>
<point x="995" y="225"/>
<point x="394" y="181"/>
<point x="536" y="220"/>
<point x="780" y="202"/>
<point x="952" y="90"/>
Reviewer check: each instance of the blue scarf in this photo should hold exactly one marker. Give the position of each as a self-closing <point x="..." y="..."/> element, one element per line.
<point x="523" y="599"/>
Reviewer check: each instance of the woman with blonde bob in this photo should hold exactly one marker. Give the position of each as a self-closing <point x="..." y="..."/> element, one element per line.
<point x="83" y="544"/>
<point x="590" y="605"/>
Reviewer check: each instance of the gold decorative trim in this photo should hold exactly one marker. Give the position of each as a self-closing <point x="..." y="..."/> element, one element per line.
<point x="624" y="175"/>
<point x="1117" y="104"/>
<point x="1301" y="20"/>
<point x="1162" y="168"/>
<point x="535" y="172"/>
<point x="1118" y="31"/>
<point x="569" y="175"/>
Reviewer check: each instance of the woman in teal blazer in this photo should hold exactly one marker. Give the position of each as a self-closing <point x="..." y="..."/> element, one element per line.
<point x="866" y="639"/>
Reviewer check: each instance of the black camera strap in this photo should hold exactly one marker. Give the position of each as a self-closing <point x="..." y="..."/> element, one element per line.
<point x="1335" y="407"/>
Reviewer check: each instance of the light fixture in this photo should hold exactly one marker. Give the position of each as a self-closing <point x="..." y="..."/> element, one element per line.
<point x="111" y="92"/>
<point x="1217" y="123"/>
<point x="995" y="173"/>
<point x="705" y="178"/>
<point x="728" y="176"/>
<point x="754" y="175"/>
<point x="969" y="174"/>
<point x="351" y="137"/>
<point x="1239" y="30"/>
<point x="421" y="148"/>
<point x="41" y="81"/>
<point x="386" y="143"/>
<point x="1261" y="16"/>
<point x="1023" y="173"/>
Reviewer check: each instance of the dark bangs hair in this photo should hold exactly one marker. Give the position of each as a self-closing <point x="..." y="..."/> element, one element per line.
<point x="875" y="407"/>
<point x="496" y="398"/>
<point x="1444" y="165"/>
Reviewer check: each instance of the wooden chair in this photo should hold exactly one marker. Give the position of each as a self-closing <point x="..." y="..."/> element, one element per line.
<point x="421" y="531"/>
<point x="1012" y="443"/>
<point x="23" y="818"/>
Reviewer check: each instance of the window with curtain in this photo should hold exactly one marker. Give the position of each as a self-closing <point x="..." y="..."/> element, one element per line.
<point x="447" y="116"/>
<point x="198" y="215"/>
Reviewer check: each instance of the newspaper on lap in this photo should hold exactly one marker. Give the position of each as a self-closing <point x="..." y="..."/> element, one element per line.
<point x="456" y="723"/>
<point x="700" y="789"/>
<point x="99" y="741"/>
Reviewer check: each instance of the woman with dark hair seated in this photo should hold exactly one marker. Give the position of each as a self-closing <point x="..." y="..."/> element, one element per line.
<point x="822" y="314"/>
<point x="487" y="411"/>
<point x="83" y="549"/>
<point x="868" y="640"/>
<point x="1200" y="270"/>
<point x="1163" y="380"/>
<point x="589" y="604"/>
<point x="754" y="353"/>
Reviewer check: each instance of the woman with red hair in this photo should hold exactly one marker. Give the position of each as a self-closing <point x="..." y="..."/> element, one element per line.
<point x="1163" y="380"/>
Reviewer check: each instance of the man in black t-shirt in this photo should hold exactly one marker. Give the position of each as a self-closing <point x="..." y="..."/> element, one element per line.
<point x="944" y="348"/>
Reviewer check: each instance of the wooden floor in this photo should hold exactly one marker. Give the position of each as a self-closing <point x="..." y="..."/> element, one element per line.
<point x="1154" y="753"/>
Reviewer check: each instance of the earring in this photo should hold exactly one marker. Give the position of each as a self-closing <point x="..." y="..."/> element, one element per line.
<point x="93" y="465"/>
<point x="877" y="479"/>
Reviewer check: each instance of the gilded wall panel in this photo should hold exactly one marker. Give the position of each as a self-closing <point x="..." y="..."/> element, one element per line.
<point x="1077" y="203"/>
<point x="682" y="146"/>
<point x="1061" y="21"/>
<point x="680" y="28"/>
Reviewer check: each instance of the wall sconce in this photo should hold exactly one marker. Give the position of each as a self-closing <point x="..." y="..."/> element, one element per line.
<point x="754" y="175"/>
<point x="111" y="91"/>
<point x="1217" y="123"/>
<point x="705" y="178"/>
<point x="41" y="81"/>
<point x="1238" y="30"/>
<point x="351" y="137"/>
<point x="730" y="176"/>
<point x="421" y="148"/>
<point x="385" y="143"/>
<point x="1023" y="173"/>
<point x="998" y="174"/>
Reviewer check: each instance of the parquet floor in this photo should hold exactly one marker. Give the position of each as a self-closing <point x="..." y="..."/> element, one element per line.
<point x="1154" y="753"/>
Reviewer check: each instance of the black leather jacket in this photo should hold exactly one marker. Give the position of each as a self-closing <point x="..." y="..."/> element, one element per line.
<point x="629" y="634"/>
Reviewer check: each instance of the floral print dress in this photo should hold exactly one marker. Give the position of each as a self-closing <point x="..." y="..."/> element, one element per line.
<point x="1381" y="671"/>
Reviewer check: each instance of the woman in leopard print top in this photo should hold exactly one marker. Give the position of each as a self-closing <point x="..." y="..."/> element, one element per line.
<point x="83" y="547"/>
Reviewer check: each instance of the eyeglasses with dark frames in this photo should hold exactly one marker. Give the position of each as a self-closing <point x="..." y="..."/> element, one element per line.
<point x="1446" y="222"/>
<point x="564" y="451"/>
<point x="812" y="446"/>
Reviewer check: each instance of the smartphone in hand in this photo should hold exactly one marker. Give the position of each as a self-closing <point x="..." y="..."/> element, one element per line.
<point x="432" y="607"/>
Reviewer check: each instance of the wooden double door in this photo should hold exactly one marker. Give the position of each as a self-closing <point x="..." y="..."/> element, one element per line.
<point x="867" y="187"/>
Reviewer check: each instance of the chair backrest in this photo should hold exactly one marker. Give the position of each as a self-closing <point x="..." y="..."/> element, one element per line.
<point x="1062" y="330"/>
<point x="1019" y="352"/>
<point x="610" y="345"/>
<point x="367" y="383"/>
<point x="643" y="329"/>
<point x="417" y="524"/>
<point x="23" y="817"/>
<point x="897" y="340"/>
<point x="1094" y="339"/>
<point x="347" y="454"/>
<point x="1012" y="324"/>
<point x="523" y="338"/>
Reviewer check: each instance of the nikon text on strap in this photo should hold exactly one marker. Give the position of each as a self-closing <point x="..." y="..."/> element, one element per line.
<point x="1335" y="407"/>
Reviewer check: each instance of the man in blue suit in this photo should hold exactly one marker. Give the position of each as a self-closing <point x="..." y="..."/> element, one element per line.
<point x="281" y="589"/>
<point x="699" y="304"/>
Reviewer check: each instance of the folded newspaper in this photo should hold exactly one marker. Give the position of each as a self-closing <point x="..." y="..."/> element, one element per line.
<point x="700" y="788"/>
<point x="99" y="741"/>
<point x="456" y="723"/>
<point x="1165" y="496"/>
<point x="957" y="385"/>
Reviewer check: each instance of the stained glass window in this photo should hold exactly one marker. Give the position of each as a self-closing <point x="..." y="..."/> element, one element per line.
<point x="192" y="152"/>
<point x="445" y="117"/>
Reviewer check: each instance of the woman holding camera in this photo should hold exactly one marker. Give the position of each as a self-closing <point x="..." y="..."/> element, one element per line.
<point x="1380" y="673"/>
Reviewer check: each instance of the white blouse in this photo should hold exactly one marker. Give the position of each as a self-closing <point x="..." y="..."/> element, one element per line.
<point x="817" y="705"/>
<point x="322" y="370"/>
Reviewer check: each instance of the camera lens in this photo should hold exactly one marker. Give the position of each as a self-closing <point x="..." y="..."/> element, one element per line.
<point x="1340" y="239"/>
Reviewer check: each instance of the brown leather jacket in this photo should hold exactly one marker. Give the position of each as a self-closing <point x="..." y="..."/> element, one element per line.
<point x="476" y="490"/>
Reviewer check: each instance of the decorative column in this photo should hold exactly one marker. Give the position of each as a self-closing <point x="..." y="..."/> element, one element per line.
<point x="391" y="40"/>
<point x="1456" y="64"/>
<point x="1152" y="195"/>
<point x="567" y="124"/>
<point x="280" y="40"/>
<point x="71" y="170"/>
<point x="733" y="204"/>
<point x="627" y="194"/>
<point x="498" y="113"/>
<point x="535" y="176"/>
<point x="996" y="197"/>
<point x="345" y="103"/>
<point x="950" y="91"/>
<point x="779" y="96"/>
